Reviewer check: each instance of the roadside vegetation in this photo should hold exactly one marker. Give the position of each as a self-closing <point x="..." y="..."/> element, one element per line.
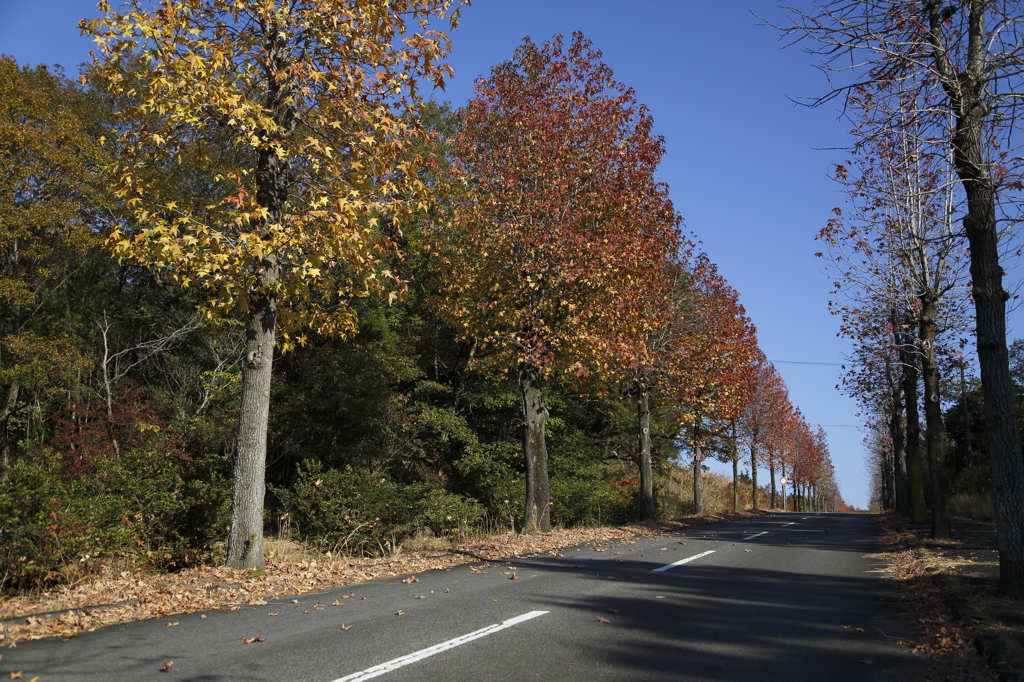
<point x="303" y="303"/>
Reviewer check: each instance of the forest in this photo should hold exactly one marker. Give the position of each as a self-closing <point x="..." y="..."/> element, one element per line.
<point x="254" y="284"/>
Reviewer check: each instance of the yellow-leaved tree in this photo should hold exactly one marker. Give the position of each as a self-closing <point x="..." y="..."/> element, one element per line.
<point x="302" y="114"/>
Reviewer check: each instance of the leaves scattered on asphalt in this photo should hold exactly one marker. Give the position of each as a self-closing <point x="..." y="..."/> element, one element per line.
<point x="132" y="596"/>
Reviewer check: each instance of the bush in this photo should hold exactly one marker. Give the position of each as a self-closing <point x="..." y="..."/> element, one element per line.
<point x="582" y="502"/>
<point x="364" y="512"/>
<point x="137" y="507"/>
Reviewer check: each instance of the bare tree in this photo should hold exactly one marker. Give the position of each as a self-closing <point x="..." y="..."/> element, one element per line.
<point x="965" y="59"/>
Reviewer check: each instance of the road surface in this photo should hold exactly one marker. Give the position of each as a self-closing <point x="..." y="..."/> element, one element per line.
<point x="780" y="597"/>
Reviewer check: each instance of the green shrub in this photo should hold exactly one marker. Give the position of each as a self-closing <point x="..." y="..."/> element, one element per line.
<point x="364" y="512"/>
<point x="584" y="502"/>
<point x="137" y="507"/>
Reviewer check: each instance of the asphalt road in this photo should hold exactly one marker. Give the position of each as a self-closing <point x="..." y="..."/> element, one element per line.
<point x="783" y="597"/>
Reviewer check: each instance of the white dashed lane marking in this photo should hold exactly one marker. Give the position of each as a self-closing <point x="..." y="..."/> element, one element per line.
<point x="402" y="661"/>
<point x="685" y="561"/>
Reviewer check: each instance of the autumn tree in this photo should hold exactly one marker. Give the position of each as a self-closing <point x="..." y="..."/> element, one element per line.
<point x="302" y="112"/>
<point x="766" y="409"/>
<point x="50" y="157"/>
<point x="549" y="243"/>
<point x="963" y="59"/>
<point x="711" y="360"/>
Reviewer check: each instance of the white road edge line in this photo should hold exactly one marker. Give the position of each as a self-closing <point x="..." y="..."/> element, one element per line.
<point x="805" y="518"/>
<point x="788" y="524"/>
<point x="684" y="561"/>
<point x="394" y="664"/>
<point x="764" y="532"/>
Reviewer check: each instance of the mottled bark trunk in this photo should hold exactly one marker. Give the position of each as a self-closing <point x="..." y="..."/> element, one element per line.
<point x="245" y="541"/>
<point x="6" y="410"/>
<point x="909" y="362"/>
<point x="535" y="416"/>
<point x="936" y="433"/>
<point x="643" y="414"/>
<point x="967" y="90"/>
<point x="771" y="474"/>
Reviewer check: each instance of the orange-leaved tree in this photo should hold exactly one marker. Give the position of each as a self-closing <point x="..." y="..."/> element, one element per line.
<point x="303" y="113"/>
<point x="557" y="220"/>
<point x="711" y="360"/>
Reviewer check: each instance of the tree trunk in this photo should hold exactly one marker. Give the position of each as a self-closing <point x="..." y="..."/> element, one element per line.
<point x="784" y="487"/>
<point x="936" y="433"/>
<point x="897" y="429"/>
<point x="771" y="474"/>
<point x="909" y="362"/>
<point x="535" y="416"/>
<point x="6" y="410"/>
<point x="643" y="414"/>
<point x="245" y="542"/>
<point x="753" y="470"/>
<point x="966" y="91"/>
<point x="698" y="484"/>
<point x="735" y="471"/>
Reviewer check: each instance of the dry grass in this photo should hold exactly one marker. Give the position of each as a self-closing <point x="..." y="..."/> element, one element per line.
<point x="675" y="493"/>
<point x="977" y="506"/>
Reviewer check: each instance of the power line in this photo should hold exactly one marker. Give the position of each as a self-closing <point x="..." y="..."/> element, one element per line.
<point x="799" y="362"/>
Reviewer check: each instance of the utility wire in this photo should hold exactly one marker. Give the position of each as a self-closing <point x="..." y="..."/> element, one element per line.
<point x="798" y="362"/>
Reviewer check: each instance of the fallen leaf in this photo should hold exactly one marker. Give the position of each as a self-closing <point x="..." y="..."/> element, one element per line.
<point x="602" y="619"/>
<point x="346" y="627"/>
<point x="17" y="675"/>
<point x="305" y="611"/>
<point x="748" y="550"/>
<point x="271" y="614"/>
<point x="860" y="629"/>
<point x="172" y="625"/>
<point x="514" y="577"/>
<point x="614" y="610"/>
<point x="495" y="600"/>
<point x="167" y="666"/>
<point x="295" y="601"/>
<point x="203" y="616"/>
<point x="411" y="579"/>
<point x="336" y="603"/>
<point x="419" y="596"/>
<point x="257" y="638"/>
<point x="446" y="590"/>
<point x="400" y="612"/>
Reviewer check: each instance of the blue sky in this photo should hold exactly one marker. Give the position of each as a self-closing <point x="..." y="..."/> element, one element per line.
<point x="748" y="169"/>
